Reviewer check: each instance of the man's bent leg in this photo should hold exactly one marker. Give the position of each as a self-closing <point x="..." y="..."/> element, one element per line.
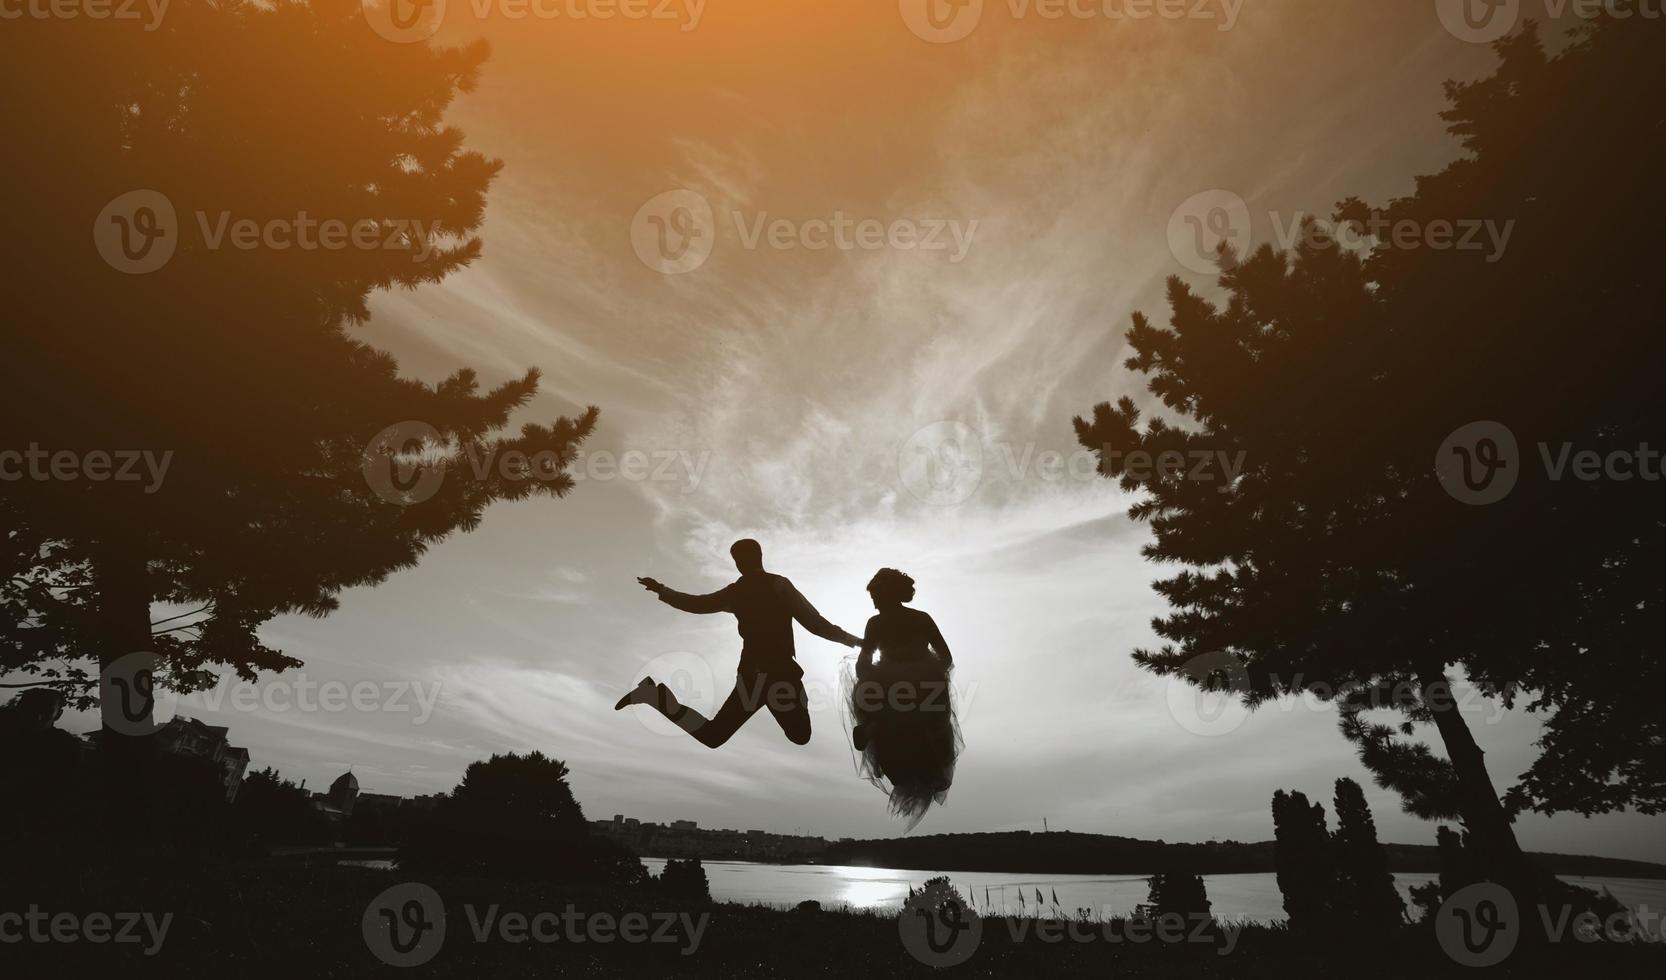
<point x="741" y="704"/>
<point x="789" y="704"/>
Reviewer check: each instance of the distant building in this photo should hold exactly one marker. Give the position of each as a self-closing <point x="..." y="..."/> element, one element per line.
<point x="190" y="737"/>
<point x="344" y="799"/>
<point x="338" y="803"/>
<point x="369" y="801"/>
<point x="683" y="825"/>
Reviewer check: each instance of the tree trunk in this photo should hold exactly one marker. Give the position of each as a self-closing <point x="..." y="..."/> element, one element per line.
<point x="1483" y="814"/>
<point x="123" y="590"/>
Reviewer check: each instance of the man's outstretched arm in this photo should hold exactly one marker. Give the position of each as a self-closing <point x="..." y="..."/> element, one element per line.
<point x="711" y="602"/>
<point x="814" y="621"/>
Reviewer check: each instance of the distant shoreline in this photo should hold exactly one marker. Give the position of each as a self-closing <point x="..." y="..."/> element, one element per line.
<point x="1064" y="852"/>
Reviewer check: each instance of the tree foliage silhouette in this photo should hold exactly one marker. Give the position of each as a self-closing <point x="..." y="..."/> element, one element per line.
<point x="1336" y="563"/>
<point x="1177" y="892"/>
<point x="271" y="810"/>
<point x="1364" y="885"/>
<point x="685" y="878"/>
<point x="1304" y="867"/>
<point x="1334" y="884"/>
<point x="240" y="361"/>
<point x="514" y="816"/>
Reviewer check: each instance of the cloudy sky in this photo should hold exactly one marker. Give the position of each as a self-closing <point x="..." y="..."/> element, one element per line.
<point x="787" y="392"/>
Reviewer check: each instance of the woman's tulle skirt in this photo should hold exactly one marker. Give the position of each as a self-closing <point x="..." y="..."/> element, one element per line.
<point x="906" y="710"/>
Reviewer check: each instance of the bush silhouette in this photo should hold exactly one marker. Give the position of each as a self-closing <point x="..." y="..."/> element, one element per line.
<point x="514" y="816"/>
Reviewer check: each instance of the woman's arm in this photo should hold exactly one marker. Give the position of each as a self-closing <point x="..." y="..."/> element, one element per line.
<point x="937" y="644"/>
<point x="864" y="660"/>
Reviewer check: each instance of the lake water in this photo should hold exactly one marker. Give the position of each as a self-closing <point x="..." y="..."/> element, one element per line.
<point x="1251" y="897"/>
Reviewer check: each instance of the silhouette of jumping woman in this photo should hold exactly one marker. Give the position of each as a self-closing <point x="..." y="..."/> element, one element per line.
<point x="765" y="604"/>
<point x="902" y="713"/>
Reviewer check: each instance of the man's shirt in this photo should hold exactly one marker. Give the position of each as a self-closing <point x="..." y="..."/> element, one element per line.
<point x="765" y="605"/>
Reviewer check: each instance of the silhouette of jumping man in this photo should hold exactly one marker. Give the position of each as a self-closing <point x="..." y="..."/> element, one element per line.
<point x="765" y="604"/>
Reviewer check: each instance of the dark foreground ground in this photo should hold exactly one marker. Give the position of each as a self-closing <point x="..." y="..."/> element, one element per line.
<point x="262" y="920"/>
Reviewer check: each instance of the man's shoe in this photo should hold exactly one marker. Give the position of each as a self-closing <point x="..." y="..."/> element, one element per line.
<point x="642" y="693"/>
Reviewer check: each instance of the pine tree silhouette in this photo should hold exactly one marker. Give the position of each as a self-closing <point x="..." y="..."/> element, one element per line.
<point x="1335" y="562"/>
<point x="242" y="362"/>
<point x="1365" y="887"/>
<point x="1177" y="892"/>
<point x="1304" y="864"/>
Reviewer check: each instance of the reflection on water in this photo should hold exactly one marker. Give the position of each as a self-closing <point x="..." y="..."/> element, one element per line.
<point x="870" y="887"/>
<point x="1251" y="897"/>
